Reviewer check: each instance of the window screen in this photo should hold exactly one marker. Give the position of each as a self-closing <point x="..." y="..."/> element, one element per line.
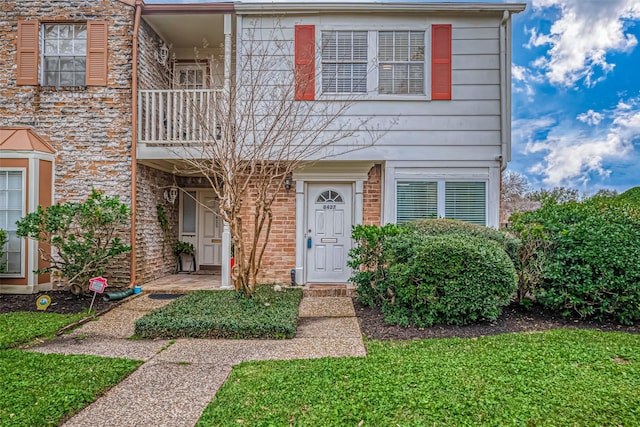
<point x="466" y="201"/>
<point x="401" y="62"/>
<point x="65" y="54"/>
<point x="415" y="200"/>
<point x="344" y="61"/>
<point x="11" y="210"/>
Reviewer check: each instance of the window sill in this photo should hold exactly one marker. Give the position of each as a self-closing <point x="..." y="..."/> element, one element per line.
<point x="370" y="97"/>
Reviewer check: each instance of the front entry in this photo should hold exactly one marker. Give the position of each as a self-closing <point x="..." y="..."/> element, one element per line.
<point x="209" y="231"/>
<point x="328" y="234"/>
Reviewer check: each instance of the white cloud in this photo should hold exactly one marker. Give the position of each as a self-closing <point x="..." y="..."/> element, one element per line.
<point x="581" y="38"/>
<point x="591" y="117"/>
<point x="571" y="157"/>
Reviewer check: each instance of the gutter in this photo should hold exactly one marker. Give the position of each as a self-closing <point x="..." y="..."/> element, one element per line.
<point x="134" y="139"/>
<point x="505" y="113"/>
<point x="267" y="8"/>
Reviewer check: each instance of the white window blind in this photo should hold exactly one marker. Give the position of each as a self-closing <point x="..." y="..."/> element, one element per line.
<point x="65" y="54"/>
<point x="401" y="62"/>
<point x="344" y="61"/>
<point x="11" y="210"/>
<point x="415" y="200"/>
<point x="466" y="201"/>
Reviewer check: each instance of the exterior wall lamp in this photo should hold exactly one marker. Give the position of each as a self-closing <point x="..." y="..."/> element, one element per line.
<point x="171" y="195"/>
<point x="287" y="182"/>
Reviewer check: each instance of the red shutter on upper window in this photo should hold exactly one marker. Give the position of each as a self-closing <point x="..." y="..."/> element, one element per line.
<point x="305" y="62"/>
<point x="27" y="60"/>
<point x="96" y="53"/>
<point x="441" y="61"/>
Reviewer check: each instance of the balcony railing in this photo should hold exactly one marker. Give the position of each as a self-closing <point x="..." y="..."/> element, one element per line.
<point x="177" y="116"/>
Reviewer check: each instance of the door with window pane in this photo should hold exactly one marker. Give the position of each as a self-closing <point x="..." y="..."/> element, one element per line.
<point x="12" y="202"/>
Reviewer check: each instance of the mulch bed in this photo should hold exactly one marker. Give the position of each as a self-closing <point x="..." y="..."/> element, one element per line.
<point x="63" y="302"/>
<point x="514" y="318"/>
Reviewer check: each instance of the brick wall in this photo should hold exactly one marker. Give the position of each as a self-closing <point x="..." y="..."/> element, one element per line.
<point x="372" y="197"/>
<point x="89" y="127"/>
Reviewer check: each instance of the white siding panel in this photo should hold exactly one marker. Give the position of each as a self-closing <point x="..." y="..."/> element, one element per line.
<point x="459" y="33"/>
<point x="426" y="107"/>
<point x="474" y="47"/>
<point x="478" y="92"/>
<point x="475" y="77"/>
<point x="475" y="62"/>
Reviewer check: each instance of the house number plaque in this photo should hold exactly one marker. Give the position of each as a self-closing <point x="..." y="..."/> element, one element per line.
<point x="328" y="207"/>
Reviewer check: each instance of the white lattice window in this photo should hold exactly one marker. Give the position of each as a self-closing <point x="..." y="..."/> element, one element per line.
<point x="330" y="196"/>
<point x="12" y="203"/>
<point x="64" y="54"/>
<point x="401" y="62"/>
<point x="344" y="61"/>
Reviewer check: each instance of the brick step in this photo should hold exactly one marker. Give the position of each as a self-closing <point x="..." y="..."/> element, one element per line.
<point x="328" y="290"/>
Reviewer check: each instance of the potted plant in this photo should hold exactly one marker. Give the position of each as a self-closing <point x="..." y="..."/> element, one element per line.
<point x="185" y="253"/>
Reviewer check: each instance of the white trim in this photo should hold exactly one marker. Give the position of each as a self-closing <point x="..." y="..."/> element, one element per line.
<point x="25" y="210"/>
<point x="273" y="8"/>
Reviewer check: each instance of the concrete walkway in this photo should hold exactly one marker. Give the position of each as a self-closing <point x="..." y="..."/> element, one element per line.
<point x="180" y="377"/>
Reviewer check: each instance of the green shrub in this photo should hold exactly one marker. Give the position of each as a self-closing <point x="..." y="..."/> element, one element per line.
<point x="3" y="242"/>
<point x="451" y="279"/>
<point x="269" y="314"/>
<point x="368" y="260"/>
<point x="592" y="267"/>
<point x="632" y="195"/>
<point x="84" y="236"/>
<point x="443" y="226"/>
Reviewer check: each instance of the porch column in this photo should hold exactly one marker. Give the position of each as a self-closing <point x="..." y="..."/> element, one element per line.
<point x="359" y="214"/>
<point x="226" y="257"/>
<point x="227" y="53"/>
<point x="301" y="247"/>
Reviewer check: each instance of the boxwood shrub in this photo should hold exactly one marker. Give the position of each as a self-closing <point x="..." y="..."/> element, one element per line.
<point x="445" y="226"/>
<point x="592" y="267"/>
<point x="423" y="279"/>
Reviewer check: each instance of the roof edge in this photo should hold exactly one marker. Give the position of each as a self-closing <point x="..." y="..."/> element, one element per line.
<point x="187" y="8"/>
<point x="280" y="8"/>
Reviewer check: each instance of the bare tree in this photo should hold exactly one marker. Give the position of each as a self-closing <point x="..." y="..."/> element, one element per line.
<point x="514" y="186"/>
<point x="255" y="134"/>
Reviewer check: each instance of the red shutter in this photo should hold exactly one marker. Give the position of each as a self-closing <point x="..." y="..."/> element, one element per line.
<point x="441" y="61"/>
<point x="305" y="62"/>
<point x="96" y="53"/>
<point x="27" y="53"/>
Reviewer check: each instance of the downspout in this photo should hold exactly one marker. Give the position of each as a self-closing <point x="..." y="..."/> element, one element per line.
<point x="134" y="139"/>
<point x="504" y="104"/>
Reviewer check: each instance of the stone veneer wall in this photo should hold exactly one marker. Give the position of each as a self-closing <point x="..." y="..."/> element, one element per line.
<point x="89" y="127"/>
<point x="151" y="74"/>
<point x="154" y="250"/>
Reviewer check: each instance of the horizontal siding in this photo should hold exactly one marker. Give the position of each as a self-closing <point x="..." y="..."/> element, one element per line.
<point x="467" y="128"/>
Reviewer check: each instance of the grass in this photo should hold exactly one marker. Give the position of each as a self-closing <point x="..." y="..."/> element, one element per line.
<point x="224" y="314"/>
<point x="42" y="389"/>
<point x="552" y="378"/>
<point x="22" y="327"/>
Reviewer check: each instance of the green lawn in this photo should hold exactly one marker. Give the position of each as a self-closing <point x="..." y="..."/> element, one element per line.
<point x="42" y="389"/>
<point x="223" y="314"/>
<point x="552" y="378"/>
<point x="22" y="327"/>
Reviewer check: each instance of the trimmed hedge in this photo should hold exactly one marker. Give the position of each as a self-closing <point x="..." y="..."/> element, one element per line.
<point x="269" y="314"/>
<point x="420" y="279"/>
<point x="445" y="226"/>
<point x="593" y="265"/>
<point x="632" y="195"/>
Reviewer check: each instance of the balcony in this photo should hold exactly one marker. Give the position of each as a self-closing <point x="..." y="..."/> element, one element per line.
<point x="177" y="117"/>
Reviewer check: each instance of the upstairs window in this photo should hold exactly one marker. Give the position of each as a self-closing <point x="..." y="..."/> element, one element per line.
<point x="64" y="55"/>
<point x="344" y="61"/>
<point x="401" y="62"/>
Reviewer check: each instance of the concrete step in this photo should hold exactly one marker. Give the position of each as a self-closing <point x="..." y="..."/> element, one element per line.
<point x="328" y="290"/>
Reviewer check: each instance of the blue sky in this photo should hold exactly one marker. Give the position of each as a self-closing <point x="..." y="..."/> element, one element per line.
<point x="576" y="93"/>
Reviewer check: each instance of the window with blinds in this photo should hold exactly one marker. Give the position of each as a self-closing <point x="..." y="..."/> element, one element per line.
<point x="65" y="54"/>
<point x="344" y="61"/>
<point x="11" y="210"/>
<point x="416" y="200"/>
<point x="401" y="62"/>
<point x="465" y="201"/>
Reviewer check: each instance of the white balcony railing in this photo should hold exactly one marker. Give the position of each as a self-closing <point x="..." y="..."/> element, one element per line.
<point x="177" y="116"/>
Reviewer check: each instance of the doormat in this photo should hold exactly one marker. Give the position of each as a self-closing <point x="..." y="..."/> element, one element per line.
<point x="164" y="296"/>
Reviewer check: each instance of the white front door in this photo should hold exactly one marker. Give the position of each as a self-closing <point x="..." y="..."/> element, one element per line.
<point x="329" y="220"/>
<point x="210" y="231"/>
